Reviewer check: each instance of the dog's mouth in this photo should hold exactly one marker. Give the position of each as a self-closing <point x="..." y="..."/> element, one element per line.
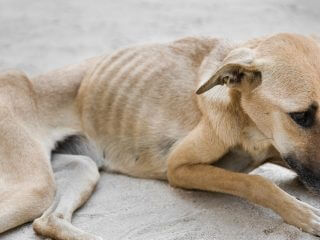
<point x="309" y="177"/>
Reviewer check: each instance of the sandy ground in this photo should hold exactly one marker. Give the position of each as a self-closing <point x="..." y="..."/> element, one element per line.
<point x="37" y="36"/>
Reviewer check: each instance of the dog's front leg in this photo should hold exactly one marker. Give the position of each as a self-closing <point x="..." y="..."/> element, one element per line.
<point x="189" y="167"/>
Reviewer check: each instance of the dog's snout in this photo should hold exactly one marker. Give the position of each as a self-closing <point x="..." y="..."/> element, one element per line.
<point x="309" y="175"/>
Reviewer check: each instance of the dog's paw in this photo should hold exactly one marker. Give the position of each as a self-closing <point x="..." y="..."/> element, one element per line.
<point x="58" y="228"/>
<point x="304" y="216"/>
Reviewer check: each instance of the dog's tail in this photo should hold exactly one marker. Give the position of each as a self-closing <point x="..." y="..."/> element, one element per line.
<point x="80" y="145"/>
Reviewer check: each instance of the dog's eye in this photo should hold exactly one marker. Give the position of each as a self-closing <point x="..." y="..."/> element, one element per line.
<point x="304" y="119"/>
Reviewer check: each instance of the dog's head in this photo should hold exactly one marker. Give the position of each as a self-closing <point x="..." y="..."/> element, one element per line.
<point x="279" y="81"/>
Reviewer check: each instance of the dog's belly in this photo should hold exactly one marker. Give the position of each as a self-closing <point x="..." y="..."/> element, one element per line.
<point x="137" y="105"/>
<point x="146" y="160"/>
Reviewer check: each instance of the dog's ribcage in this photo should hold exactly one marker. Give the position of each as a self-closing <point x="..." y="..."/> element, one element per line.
<point x="139" y="102"/>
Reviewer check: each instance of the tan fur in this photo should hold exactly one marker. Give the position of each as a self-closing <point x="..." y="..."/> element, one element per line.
<point x="140" y="108"/>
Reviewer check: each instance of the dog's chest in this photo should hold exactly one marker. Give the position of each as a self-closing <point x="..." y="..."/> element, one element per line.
<point x="256" y="144"/>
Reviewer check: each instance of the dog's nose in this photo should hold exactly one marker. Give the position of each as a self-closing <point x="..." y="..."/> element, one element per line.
<point x="309" y="176"/>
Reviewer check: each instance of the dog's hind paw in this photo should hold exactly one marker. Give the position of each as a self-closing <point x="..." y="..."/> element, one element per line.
<point x="58" y="228"/>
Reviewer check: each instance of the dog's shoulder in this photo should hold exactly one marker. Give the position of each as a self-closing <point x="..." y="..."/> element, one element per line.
<point x="195" y="48"/>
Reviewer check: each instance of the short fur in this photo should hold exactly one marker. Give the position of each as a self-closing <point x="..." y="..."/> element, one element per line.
<point x="138" y="109"/>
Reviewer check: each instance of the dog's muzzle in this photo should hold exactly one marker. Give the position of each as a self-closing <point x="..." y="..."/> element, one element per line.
<point x="309" y="176"/>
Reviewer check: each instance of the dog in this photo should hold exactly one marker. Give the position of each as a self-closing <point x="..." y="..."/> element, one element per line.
<point x="164" y="111"/>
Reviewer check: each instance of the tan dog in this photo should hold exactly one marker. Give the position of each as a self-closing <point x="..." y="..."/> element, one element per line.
<point x="137" y="112"/>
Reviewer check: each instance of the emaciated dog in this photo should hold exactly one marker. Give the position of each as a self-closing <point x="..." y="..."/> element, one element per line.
<point x="162" y="111"/>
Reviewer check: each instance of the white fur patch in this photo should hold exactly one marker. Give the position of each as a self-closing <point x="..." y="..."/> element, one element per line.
<point x="282" y="142"/>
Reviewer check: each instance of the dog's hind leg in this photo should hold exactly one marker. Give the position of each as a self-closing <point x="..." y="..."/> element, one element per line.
<point x="76" y="177"/>
<point x="27" y="185"/>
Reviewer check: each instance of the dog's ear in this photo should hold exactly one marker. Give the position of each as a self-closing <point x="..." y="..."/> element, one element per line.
<point x="237" y="70"/>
